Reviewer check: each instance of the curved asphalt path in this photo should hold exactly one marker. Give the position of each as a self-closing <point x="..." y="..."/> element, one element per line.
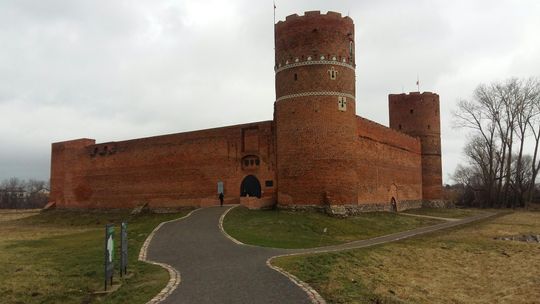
<point x="216" y="270"/>
<point x="213" y="269"/>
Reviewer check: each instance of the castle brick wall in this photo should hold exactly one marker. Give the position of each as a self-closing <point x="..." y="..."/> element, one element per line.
<point x="165" y="171"/>
<point x="385" y="135"/>
<point x="66" y="169"/>
<point x="315" y="152"/>
<point x="388" y="165"/>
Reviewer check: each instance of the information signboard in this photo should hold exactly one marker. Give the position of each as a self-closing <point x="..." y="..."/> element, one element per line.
<point x="220" y="187"/>
<point x="109" y="253"/>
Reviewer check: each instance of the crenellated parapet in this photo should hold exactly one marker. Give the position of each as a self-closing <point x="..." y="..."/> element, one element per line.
<point x="326" y="38"/>
<point x="312" y="14"/>
<point x="416" y="114"/>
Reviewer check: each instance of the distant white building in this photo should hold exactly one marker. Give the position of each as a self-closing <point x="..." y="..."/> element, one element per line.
<point x="44" y="191"/>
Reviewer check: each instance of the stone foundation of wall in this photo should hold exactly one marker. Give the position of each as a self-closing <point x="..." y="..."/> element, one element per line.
<point x="352" y="210"/>
<point x="349" y="210"/>
<point x="413" y="204"/>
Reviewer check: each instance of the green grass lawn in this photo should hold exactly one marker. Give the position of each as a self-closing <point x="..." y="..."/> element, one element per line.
<point x="57" y="257"/>
<point x="286" y="229"/>
<point x="444" y="212"/>
<point x="460" y="265"/>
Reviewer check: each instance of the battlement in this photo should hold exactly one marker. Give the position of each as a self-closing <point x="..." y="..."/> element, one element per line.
<point x="314" y="38"/>
<point x="416" y="96"/>
<point x="73" y="144"/>
<point x="314" y="14"/>
<point x="414" y="113"/>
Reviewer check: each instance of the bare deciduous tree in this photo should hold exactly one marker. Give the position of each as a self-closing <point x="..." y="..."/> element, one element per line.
<point x="534" y="124"/>
<point x="478" y="115"/>
<point x="501" y="116"/>
<point x="18" y="194"/>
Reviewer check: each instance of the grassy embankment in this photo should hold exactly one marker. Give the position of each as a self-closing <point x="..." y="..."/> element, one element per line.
<point x="285" y="229"/>
<point x="460" y="265"/>
<point x="57" y="257"/>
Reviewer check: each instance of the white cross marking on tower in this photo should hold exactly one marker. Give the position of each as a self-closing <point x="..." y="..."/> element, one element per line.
<point x="333" y="73"/>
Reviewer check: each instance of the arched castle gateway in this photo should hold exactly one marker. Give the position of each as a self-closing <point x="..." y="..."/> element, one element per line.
<point x="315" y="153"/>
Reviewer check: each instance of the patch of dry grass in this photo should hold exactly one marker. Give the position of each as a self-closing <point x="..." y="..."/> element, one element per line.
<point x="462" y="265"/>
<point x="57" y="257"/>
<point x="7" y="215"/>
<point x="12" y="229"/>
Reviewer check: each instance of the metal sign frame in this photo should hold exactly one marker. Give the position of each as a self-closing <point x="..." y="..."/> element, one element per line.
<point x="123" y="248"/>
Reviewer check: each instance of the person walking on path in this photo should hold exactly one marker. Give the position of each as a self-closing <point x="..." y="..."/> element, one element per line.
<point x="221" y="196"/>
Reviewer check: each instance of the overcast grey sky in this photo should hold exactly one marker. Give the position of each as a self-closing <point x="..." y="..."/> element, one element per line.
<point x="115" y="70"/>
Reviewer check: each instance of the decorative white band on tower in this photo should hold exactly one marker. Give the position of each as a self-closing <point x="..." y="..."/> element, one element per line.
<point x="303" y="63"/>
<point x="322" y="93"/>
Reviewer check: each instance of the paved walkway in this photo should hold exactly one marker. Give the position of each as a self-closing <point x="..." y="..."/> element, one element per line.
<point x="213" y="269"/>
<point x="216" y="270"/>
<point x="431" y="217"/>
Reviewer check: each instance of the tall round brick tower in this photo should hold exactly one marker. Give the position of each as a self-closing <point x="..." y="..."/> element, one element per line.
<point x="417" y="114"/>
<point x="315" y="116"/>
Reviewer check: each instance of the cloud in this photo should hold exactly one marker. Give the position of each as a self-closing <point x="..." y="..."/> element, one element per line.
<point x="114" y="70"/>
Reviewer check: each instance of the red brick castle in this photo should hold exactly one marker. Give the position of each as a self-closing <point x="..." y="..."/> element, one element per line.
<point x="315" y="152"/>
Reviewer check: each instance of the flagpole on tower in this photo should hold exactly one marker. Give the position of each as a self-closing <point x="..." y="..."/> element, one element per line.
<point x="274" y="25"/>
<point x="274" y="12"/>
<point x="418" y="82"/>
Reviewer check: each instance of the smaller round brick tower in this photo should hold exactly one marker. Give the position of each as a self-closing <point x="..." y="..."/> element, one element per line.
<point x="417" y="114"/>
<point x="314" y="114"/>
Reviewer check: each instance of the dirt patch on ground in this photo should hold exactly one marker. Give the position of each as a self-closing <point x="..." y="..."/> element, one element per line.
<point x="528" y="238"/>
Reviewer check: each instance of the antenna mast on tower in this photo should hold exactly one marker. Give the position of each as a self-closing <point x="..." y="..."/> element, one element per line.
<point x="274" y="25"/>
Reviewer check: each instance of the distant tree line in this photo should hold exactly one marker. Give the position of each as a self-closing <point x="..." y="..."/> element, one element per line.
<point x="21" y="194"/>
<point x="503" y="119"/>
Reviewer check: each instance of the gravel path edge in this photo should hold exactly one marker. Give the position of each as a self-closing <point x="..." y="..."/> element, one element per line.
<point x="174" y="274"/>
